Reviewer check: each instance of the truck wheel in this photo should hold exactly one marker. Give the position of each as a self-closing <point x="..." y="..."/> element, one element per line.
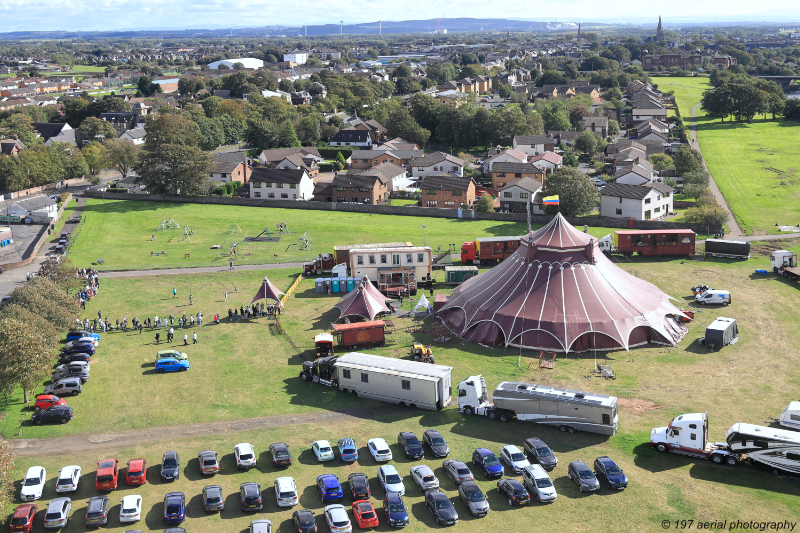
<point x="504" y="417"/>
<point x="661" y="447"/>
<point x="303" y="376"/>
<point x="716" y="458"/>
<point x="731" y="460"/>
<point x="468" y="411"/>
<point x="492" y="415"/>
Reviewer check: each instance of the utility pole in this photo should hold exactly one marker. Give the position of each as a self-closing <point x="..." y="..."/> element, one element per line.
<point x="341" y="27"/>
<point x="380" y="27"/>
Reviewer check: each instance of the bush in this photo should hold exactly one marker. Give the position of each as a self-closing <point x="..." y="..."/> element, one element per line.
<point x="330" y="153"/>
<point x="325" y="167"/>
<point x="121" y="190"/>
<point x="95" y="180"/>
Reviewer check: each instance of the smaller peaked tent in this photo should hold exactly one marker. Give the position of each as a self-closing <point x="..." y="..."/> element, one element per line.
<point x="267" y="291"/>
<point x="365" y="301"/>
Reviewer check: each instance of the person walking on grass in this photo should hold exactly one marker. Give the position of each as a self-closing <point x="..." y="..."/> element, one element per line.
<point x="194" y="338"/>
<point x="231" y="264"/>
<point x="191" y="301"/>
<point x="171" y="334"/>
<point x="226" y="296"/>
<point x="158" y="338"/>
<point x="185" y="339"/>
<point x="174" y="293"/>
<point x="158" y="322"/>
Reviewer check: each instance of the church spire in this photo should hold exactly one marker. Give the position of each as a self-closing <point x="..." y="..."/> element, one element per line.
<point x="579" y="30"/>
<point x="659" y="30"/>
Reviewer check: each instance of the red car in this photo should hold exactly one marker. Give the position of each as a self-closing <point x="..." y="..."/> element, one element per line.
<point x="43" y="401"/>
<point x="137" y="472"/>
<point x="365" y="514"/>
<point x="23" y="517"/>
<point x="107" y="474"/>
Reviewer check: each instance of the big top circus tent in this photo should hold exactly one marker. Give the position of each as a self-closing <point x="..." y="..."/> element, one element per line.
<point x="559" y="293"/>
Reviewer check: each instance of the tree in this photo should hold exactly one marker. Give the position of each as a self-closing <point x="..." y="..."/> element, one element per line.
<point x="122" y="155"/>
<point x="586" y="142"/>
<point x="404" y="85"/>
<point x="792" y="109"/>
<point x="576" y="115"/>
<point x="147" y="87"/>
<point x="505" y="90"/>
<point x="175" y="169"/>
<point x="261" y="134"/>
<point x="660" y="161"/>
<point x="711" y="215"/>
<point x="288" y="136"/>
<point x="613" y="127"/>
<point x="687" y="159"/>
<point x="46" y="299"/>
<point x="402" y="72"/>
<point x="6" y="475"/>
<point x="27" y="351"/>
<point x="164" y="128"/>
<point x="694" y="190"/>
<point x="286" y="86"/>
<point x="95" y="155"/>
<point x="19" y="125"/>
<point x="96" y="129"/>
<point x="699" y="177"/>
<point x="577" y="195"/>
<point x="551" y="77"/>
<point x="485" y="204"/>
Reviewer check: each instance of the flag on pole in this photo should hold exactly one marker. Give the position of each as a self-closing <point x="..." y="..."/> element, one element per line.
<point x="550" y="200"/>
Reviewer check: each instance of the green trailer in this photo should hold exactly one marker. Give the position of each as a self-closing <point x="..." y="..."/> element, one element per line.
<point x="454" y="275"/>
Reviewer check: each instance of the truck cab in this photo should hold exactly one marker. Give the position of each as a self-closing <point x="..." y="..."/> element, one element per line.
<point x="784" y="263"/>
<point x="473" y="397"/>
<point x="321" y="371"/>
<point x="323" y="263"/>
<point x="468" y="252"/>
<point x="606" y="244"/>
<point x="688" y="435"/>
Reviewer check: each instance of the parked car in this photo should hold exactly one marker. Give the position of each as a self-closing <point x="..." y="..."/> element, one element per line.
<point x="583" y="476"/>
<point x="58" y="414"/>
<point x="365" y="514"/>
<point x="473" y="498"/>
<point x="213" y="499"/>
<point x="250" y="496"/>
<point x="82" y="340"/>
<point x="97" y="511"/>
<point x="130" y="509"/>
<point x="71" y="371"/>
<point x="538" y="483"/>
<point x="410" y="444"/>
<point x="171" y="364"/>
<point x="136" y="473"/>
<point x="348" y="451"/>
<point x="245" y="456"/>
<point x="83" y="347"/>
<point x="538" y="452"/>
<point x="329" y="488"/>
<point x="395" y="510"/>
<point x="66" y="359"/>
<point x="607" y="470"/>
<point x="174" y="508"/>
<point x="514" y="458"/>
<point x="168" y="530"/>
<point x="436" y="443"/>
<point x="209" y="462"/>
<point x="107" y="475"/>
<point x="74" y="335"/>
<point x="424" y="477"/>
<point x="68" y="478"/>
<point x="322" y="450"/>
<point x="304" y="522"/>
<point x="260" y="526"/>
<point x="64" y="387"/>
<point x="337" y="519"/>
<point x="33" y="484"/>
<point x="57" y="514"/>
<point x="171" y="354"/>
<point x="442" y="508"/>
<point x="286" y="491"/>
<point x="487" y="462"/>
<point x="514" y="491"/>
<point x="390" y="480"/>
<point x="457" y="471"/>
<point x="380" y="450"/>
<point x="22" y="519"/>
<point x="280" y="454"/>
<point x="359" y="486"/>
<point x="170" y="466"/>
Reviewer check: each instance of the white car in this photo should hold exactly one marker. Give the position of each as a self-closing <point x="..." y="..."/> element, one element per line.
<point x="130" y="510"/>
<point x="337" y="518"/>
<point x="323" y="450"/>
<point x="514" y="458"/>
<point x="260" y="526"/>
<point x="391" y="480"/>
<point x="245" y="456"/>
<point x="68" y="478"/>
<point x="82" y="340"/>
<point x="424" y="477"/>
<point x="380" y="450"/>
<point x="33" y="484"/>
<point x="286" y="491"/>
<point x="538" y="483"/>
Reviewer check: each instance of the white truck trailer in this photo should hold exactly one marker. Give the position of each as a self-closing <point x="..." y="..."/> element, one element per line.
<point x="784" y="263"/>
<point x="569" y="410"/>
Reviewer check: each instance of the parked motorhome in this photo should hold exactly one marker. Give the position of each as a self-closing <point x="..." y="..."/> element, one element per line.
<point x="790" y="417"/>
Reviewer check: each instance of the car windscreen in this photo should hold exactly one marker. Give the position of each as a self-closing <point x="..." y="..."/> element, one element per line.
<point x="170" y="462"/>
<point x="32" y="481"/>
<point x="543" y="482"/>
<point x="245" y="456"/>
<point x="463" y="471"/>
<point x="48" y="516"/>
<point x="332" y="490"/>
<point x="173" y="508"/>
<point x="613" y="470"/>
<point x="64" y="481"/>
<point x="129" y="510"/>
<point x="586" y="474"/>
<point x="475" y="496"/>
<point x="105" y="479"/>
<point x="412" y="441"/>
<point x="369" y="515"/>
<point x="544" y="451"/>
<point x="288" y="494"/>
<point x="396" y="508"/>
<point x="438" y="441"/>
<point x="443" y="504"/>
<point x="282" y="453"/>
<point x="22" y="521"/>
<point x="517" y="457"/>
<point x="393" y="479"/>
<point x="105" y="464"/>
<point x="305" y="519"/>
<point x="490" y="460"/>
<point x="209" y="461"/>
<point x="324" y="450"/>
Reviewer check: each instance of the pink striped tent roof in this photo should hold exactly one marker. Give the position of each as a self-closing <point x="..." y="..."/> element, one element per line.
<point x="267" y="291"/>
<point x="365" y="300"/>
<point x="558" y="292"/>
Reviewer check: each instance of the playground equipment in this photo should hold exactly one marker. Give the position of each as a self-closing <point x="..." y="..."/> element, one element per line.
<point x="305" y="242"/>
<point x="283" y="228"/>
<point x="232" y="251"/>
<point x="234" y="229"/>
<point x="266" y="231"/>
<point x="168" y="223"/>
<point x="187" y="234"/>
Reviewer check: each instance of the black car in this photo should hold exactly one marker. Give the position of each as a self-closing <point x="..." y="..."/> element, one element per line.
<point x="436" y="443"/>
<point x="410" y="445"/>
<point x="213" y="500"/>
<point x="57" y="414"/>
<point x="359" y="486"/>
<point x="280" y="454"/>
<point x="82" y="347"/>
<point x="303" y="520"/>
<point x="170" y="466"/>
<point x="538" y="452"/>
<point x="72" y="357"/>
<point x="514" y="491"/>
<point x="250" y="493"/>
<point x="607" y="470"/>
<point x="442" y="508"/>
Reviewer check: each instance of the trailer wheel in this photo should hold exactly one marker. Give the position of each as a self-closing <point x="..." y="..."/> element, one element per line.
<point x="571" y="429"/>
<point x="468" y="411"/>
<point x="731" y="460"/>
<point x="492" y="415"/>
<point x="504" y="417"/>
<point x="413" y="406"/>
<point x="661" y="447"/>
<point x="402" y="404"/>
<point x="562" y="428"/>
<point x="716" y="458"/>
<point x="303" y="376"/>
<point x="341" y="389"/>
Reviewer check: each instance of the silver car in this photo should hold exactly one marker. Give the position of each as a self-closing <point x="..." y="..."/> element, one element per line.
<point x="57" y="513"/>
<point x="473" y="498"/>
<point x="65" y="387"/>
<point x="457" y="471"/>
<point x="583" y="476"/>
<point x="73" y="370"/>
<point x="424" y="477"/>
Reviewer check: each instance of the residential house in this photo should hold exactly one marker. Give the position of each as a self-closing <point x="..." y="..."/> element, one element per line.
<point x="375" y="129"/>
<point x="564" y="139"/>
<point x="272" y="94"/>
<point x="437" y="163"/>
<point x="447" y="191"/>
<point x="11" y="146"/>
<point x="123" y="121"/>
<point x="57" y="132"/>
<point x="533" y="144"/>
<point x="270" y="158"/>
<point x="638" y="172"/>
<point x="547" y="161"/>
<point x="301" y="98"/>
<point x="598" y="125"/>
<point x="397" y="144"/>
<point x="645" y="113"/>
<point x="363" y="159"/>
<point x="24" y="92"/>
<point x="637" y="202"/>
<point x="297" y="161"/>
<point x="230" y="166"/>
<point x="504" y="173"/>
<point x="135" y="136"/>
<point x="297" y="57"/>
<point x="515" y="196"/>
<point x="352" y="137"/>
<point x="398" y="178"/>
<point x="29" y="207"/>
<point x="280" y="184"/>
<point x="370" y="188"/>
<point x="508" y="155"/>
<point x="452" y="97"/>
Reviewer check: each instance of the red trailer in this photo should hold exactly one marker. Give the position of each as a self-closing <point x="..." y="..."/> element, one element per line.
<point x="650" y="242"/>
<point x="360" y="334"/>
<point x="488" y="250"/>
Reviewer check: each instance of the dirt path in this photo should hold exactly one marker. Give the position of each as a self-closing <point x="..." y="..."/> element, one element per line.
<point x="105" y="441"/>
<point x="733" y="227"/>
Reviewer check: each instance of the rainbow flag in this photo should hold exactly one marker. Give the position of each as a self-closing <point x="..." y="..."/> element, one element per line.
<point x="550" y="200"/>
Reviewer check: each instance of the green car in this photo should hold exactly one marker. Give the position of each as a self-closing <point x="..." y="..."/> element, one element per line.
<point x="173" y="354"/>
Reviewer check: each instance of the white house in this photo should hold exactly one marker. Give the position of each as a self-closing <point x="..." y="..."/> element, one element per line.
<point x="533" y="144"/>
<point x="297" y="57"/>
<point x="352" y="137"/>
<point x="510" y="155"/>
<point x="436" y="164"/>
<point x="26" y="206"/>
<point x="281" y="184"/>
<point x="636" y="172"/>
<point x="397" y="176"/>
<point x="271" y="94"/>
<point x="248" y="62"/>
<point x="514" y="196"/>
<point x="639" y="202"/>
<point x="548" y="161"/>
<point x="135" y="136"/>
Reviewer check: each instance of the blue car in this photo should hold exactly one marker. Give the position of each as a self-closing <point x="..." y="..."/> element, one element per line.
<point x="487" y="462"/>
<point x="171" y="365"/>
<point x="329" y="488"/>
<point x="174" y="508"/>
<point x="606" y="469"/>
<point x="348" y="451"/>
<point x="73" y="335"/>
<point x="79" y="348"/>
<point x="395" y="509"/>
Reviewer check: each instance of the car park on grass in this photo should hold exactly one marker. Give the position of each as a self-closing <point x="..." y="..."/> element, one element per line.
<point x="390" y="479"/>
<point x="441" y="507"/>
<point x="424" y="477"/>
<point x="280" y="454"/>
<point x="170" y="466"/>
<point x="64" y="387"/>
<point x="97" y="511"/>
<point x="487" y="462"/>
<point x="250" y="496"/>
<point x="174" y="508"/>
<point x="209" y="462"/>
<point x="583" y="476"/>
<point x="348" y="451"/>
<point x="337" y="519"/>
<point x="33" y="484"/>
<point x="171" y="364"/>
<point x="410" y="445"/>
<point x="82" y="340"/>
<point x="379" y="450"/>
<point x="605" y="469"/>
<point x="23" y="517"/>
<point x="286" y="492"/>
<point x="436" y="443"/>
<point x="458" y="471"/>
<point x="322" y="450"/>
<point x="514" y="491"/>
<point x="136" y="473"/>
<point x="107" y="475"/>
<point x="130" y="509"/>
<point x="539" y="452"/>
<point x="57" y="514"/>
<point x="395" y="510"/>
<point x="473" y="498"/>
<point x="359" y="486"/>
<point x="245" y="456"/>
<point x="365" y="514"/>
<point x="538" y="483"/>
<point x="260" y="526"/>
<point x="213" y="499"/>
<point x="68" y="478"/>
<point x="513" y="458"/>
<point x="329" y="488"/>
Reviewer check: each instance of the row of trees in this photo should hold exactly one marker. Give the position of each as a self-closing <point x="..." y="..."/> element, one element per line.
<point x="743" y="98"/>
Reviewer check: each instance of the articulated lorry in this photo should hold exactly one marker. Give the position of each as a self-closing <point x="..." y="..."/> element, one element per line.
<point x="569" y="410"/>
<point x="784" y="263"/>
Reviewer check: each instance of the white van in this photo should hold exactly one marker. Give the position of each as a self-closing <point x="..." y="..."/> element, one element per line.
<point x="790" y="417"/>
<point x="538" y="483"/>
<point x="713" y="297"/>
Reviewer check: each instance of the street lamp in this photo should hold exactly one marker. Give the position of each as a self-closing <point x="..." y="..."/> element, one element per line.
<point x="423" y="234"/>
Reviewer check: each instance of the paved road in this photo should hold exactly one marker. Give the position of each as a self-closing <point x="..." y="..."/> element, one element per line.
<point x="733" y="226"/>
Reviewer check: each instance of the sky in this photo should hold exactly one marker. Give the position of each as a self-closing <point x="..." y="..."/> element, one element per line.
<point x="98" y="15"/>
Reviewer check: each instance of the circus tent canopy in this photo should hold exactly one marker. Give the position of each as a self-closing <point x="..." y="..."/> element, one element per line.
<point x="558" y="292"/>
<point x="268" y="291"/>
<point x="365" y="301"/>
